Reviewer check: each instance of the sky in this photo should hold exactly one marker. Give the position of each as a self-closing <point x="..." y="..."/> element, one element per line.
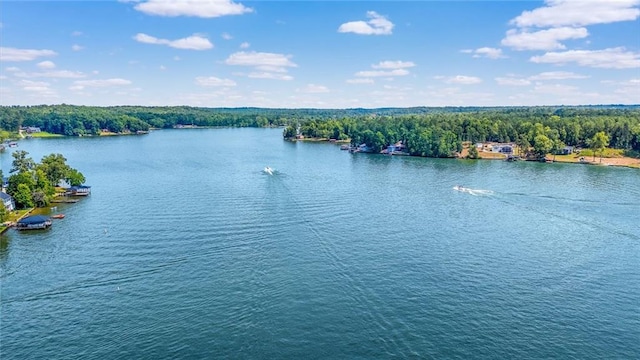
<point x="320" y="54"/>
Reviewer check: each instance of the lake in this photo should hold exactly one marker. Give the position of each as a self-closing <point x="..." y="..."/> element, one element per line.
<point x="187" y="249"/>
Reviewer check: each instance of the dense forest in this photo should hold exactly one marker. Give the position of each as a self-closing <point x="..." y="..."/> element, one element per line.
<point x="539" y="130"/>
<point x="426" y="131"/>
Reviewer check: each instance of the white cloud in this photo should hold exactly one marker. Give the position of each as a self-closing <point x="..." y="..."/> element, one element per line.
<point x="376" y="25"/>
<point x="387" y="68"/>
<point x="378" y="73"/>
<point x="193" y="42"/>
<point x="542" y="40"/>
<point x="81" y="84"/>
<point x="33" y="85"/>
<point x="512" y="81"/>
<point x="268" y="75"/>
<point x="245" y="45"/>
<point x="558" y="13"/>
<point x="13" y="54"/>
<point x="612" y="58"/>
<point x="555" y="89"/>
<point x="543" y="76"/>
<point x="46" y="65"/>
<point x="314" y="89"/>
<point x="557" y="75"/>
<point x="360" y="81"/>
<point x="76" y="33"/>
<point x="271" y="68"/>
<point x="460" y="79"/>
<point x="197" y="8"/>
<point x="76" y="47"/>
<point x="37" y="89"/>
<point x="254" y="58"/>
<point x="67" y="74"/>
<point x="393" y="65"/>
<point x="491" y="53"/>
<point x="267" y="65"/>
<point x="226" y="36"/>
<point x="214" y="81"/>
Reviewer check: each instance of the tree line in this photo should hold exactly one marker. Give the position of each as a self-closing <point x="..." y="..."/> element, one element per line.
<point x="538" y="130"/>
<point x="425" y="131"/>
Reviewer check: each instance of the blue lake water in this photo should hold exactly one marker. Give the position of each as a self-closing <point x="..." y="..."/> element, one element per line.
<point x="187" y="249"/>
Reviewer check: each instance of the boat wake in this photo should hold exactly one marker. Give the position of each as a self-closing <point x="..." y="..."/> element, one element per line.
<point x="474" y="192"/>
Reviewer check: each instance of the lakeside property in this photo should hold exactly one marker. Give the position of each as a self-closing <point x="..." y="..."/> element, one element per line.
<point x="502" y="151"/>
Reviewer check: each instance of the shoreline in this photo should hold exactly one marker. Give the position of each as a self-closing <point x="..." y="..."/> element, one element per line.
<point x="11" y="224"/>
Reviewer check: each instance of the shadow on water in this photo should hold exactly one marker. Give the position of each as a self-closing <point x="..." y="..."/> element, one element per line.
<point x="4" y="248"/>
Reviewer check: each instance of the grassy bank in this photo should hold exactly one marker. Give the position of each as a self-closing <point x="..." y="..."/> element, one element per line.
<point x="13" y="217"/>
<point x="44" y="134"/>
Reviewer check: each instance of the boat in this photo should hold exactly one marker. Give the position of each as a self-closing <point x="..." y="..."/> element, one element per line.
<point x="58" y="216"/>
<point x="461" y="188"/>
<point x="268" y="170"/>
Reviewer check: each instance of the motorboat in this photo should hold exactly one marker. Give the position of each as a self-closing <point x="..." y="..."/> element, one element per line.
<point x="268" y="170"/>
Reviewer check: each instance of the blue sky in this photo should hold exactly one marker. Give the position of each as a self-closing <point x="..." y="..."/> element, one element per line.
<point x="320" y="54"/>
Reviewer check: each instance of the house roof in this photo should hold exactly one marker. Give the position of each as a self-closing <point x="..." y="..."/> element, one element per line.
<point x="4" y="196"/>
<point x="35" y="219"/>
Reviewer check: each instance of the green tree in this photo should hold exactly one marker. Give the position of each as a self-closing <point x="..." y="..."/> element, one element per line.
<point x="473" y="152"/>
<point x="557" y="146"/>
<point x="54" y="167"/>
<point x="75" y="178"/>
<point x="23" y="197"/>
<point x="289" y="132"/>
<point x="16" y="180"/>
<point x="524" y="145"/>
<point x="21" y="163"/>
<point x="4" y="135"/>
<point x="598" y="142"/>
<point x="4" y="214"/>
<point x="542" y="146"/>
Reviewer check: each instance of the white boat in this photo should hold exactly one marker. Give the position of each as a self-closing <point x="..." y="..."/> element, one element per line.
<point x="268" y="170"/>
<point x="461" y="188"/>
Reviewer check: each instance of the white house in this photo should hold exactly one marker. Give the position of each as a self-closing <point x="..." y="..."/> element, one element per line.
<point x="7" y="201"/>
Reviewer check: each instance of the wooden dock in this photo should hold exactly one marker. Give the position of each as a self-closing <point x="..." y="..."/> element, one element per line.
<point x="65" y="201"/>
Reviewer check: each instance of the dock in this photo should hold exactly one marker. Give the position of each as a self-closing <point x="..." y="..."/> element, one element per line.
<point x="65" y="201"/>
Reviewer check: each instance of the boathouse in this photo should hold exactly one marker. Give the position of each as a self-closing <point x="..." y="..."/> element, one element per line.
<point x="81" y="190"/>
<point x="34" y="222"/>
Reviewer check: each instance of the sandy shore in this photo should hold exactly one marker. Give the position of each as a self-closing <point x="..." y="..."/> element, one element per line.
<point x="606" y="161"/>
<point x="617" y="161"/>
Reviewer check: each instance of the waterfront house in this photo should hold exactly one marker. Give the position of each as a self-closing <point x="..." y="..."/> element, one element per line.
<point x="34" y="222"/>
<point x="396" y="149"/>
<point x="502" y="148"/>
<point x="81" y="190"/>
<point x="7" y="201"/>
<point x="364" y="148"/>
<point x="31" y="129"/>
<point x="567" y="150"/>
